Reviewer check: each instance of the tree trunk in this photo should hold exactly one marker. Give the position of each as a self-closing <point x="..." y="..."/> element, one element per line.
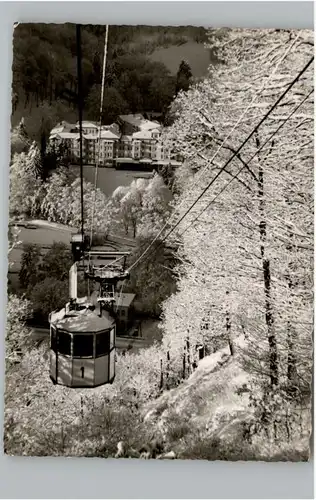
<point x="228" y="331"/>
<point x="184" y="362"/>
<point x="168" y="370"/>
<point x="273" y="354"/>
<point x="161" y="376"/>
<point x="229" y="339"/>
<point x="189" y="357"/>
<point x="291" y="358"/>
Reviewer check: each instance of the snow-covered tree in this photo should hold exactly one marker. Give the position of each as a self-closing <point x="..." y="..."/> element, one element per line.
<point x="17" y="333"/>
<point x="155" y="207"/>
<point x="254" y="240"/>
<point x="44" y="419"/>
<point x="20" y="142"/>
<point x="60" y="201"/>
<point x="141" y="207"/>
<point x="35" y="160"/>
<point x="24" y="183"/>
<point x="13" y="236"/>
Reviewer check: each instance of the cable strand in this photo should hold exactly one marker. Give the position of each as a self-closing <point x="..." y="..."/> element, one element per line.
<point x="252" y="157"/>
<point x="100" y="130"/>
<point x="263" y="119"/>
<point x="218" y="150"/>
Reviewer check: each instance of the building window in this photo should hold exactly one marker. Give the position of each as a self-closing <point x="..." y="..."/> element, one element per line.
<point x="64" y="343"/>
<point x="83" y="346"/>
<point x="53" y="338"/>
<point x="112" y="338"/>
<point x="102" y="344"/>
<point x="122" y="312"/>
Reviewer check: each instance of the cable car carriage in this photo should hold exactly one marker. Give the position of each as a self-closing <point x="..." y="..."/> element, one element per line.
<point x="83" y="333"/>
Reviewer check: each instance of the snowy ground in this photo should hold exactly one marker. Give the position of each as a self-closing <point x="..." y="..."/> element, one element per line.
<point x="208" y="408"/>
<point x="208" y="399"/>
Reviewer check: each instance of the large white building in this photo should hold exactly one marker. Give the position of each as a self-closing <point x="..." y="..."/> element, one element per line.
<point x="132" y="139"/>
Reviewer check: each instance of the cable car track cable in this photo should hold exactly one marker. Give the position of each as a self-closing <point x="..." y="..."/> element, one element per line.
<point x="80" y="112"/>
<point x="100" y="128"/>
<point x="252" y="157"/>
<point x="287" y="51"/>
<point x="263" y="119"/>
<point x="211" y="160"/>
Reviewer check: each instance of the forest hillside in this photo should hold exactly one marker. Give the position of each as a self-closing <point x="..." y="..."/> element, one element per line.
<point x="140" y="76"/>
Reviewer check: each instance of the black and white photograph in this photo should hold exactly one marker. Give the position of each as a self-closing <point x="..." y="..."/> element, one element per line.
<point x="161" y="243"/>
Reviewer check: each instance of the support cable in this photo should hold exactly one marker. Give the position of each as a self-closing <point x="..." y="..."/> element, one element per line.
<point x="80" y="111"/>
<point x="263" y="119"/>
<point x="100" y="129"/>
<point x="294" y="110"/>
<point x="211" y="160"/>
<point x="202" y="171"/>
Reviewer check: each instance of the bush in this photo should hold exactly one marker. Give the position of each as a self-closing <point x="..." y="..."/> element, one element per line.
<point x="98" y="432"/>
<point x="211" y="448"/>
<point x="57" y="262"/>
<point x="177" y="428"/>
<point x="99" y="239"/>
<point x="47" y="296"/>
<point x="30" y="265"/>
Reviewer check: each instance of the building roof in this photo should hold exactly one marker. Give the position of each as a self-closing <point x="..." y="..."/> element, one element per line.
<point x="68" y="135"/>
<point x="57" y="130"/>
<point x="140" y="122"/>
<point x="62" y="127"/>
<point x="108" y="134"/>
<point x="143" y="135"/>
<point x="125" y="299"/>
<point x="86" y="124"/>
<point x="114" y="127"/>
<point x="90" y="137"/>
<point x="149" y="125"/>
<point x="127" y="138"/>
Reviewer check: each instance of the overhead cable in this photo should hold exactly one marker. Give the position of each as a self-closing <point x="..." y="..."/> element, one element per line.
<point x="263" y="119"/>
<point x="296" y="108"/>
<point x="100" y="129"/>
<point x="220" y="147"/>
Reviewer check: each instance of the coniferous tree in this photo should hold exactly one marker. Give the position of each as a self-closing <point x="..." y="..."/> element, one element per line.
<point x="20" y="142"/>
<point x="30" y="266"/>
<point x="184" y="77"/>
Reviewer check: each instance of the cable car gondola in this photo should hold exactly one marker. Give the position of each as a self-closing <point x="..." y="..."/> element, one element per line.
<point x="82" y="352"/>
<point x="83" y="333"/>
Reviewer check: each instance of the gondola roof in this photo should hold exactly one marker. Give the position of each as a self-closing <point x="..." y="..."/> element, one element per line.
<point x="85" y="321"/>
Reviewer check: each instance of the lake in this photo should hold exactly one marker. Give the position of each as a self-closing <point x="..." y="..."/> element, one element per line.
<point x="110" y="178"/>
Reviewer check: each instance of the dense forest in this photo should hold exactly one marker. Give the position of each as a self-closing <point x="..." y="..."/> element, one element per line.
<point x="45" y="72"/>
